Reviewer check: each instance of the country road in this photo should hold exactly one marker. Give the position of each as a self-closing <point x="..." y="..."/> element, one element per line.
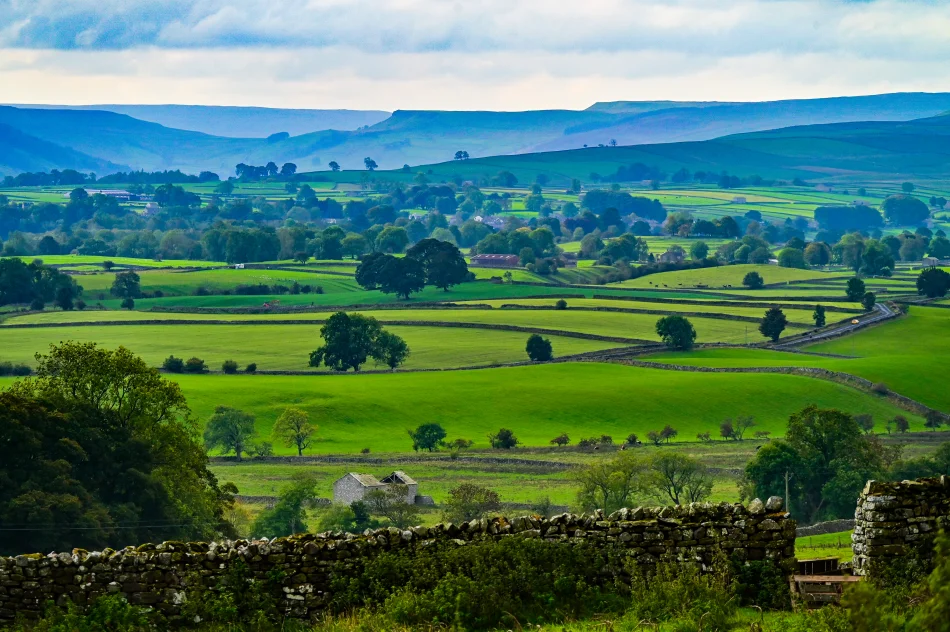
<point x="881" y="313"/>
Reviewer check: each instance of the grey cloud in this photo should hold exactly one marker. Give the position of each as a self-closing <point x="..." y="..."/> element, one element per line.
<point x="699" y="28"/>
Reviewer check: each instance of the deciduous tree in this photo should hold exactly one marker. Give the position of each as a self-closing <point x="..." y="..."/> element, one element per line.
<point x="230" y="430"/>
<point x="293" y="427"/>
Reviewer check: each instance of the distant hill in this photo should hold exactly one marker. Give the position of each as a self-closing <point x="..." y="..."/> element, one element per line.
<point x="238" y="122"/>
<point x="838" y="151"/>
<point x="20" y="152"/>
<point x="417" y="137"/>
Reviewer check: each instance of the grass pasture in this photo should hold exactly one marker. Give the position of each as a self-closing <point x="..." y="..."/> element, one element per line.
<point x="537" y="402"/>
<point x="722" y="277"/>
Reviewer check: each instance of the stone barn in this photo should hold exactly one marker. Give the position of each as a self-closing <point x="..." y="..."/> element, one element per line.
<point x="353" y="487"/>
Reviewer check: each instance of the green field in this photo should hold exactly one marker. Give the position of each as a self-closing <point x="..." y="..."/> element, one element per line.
<point x="537" y="402"/>
<point x="899" y="354"/>
<point x="723" y="277"/>
<point x="825" y="545"/>
<point x="285" y="347"/>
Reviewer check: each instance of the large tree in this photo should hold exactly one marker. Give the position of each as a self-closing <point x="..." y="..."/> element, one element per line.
<point x="677" y="332"/>
<point x="390" y="350"/>
<point x="904" y="210"/>
<point x="611" y="485"/>
<point x="442" y="262"/>
<point x="427" y="437"/>
<point x="99" y="450"/>
<point x="468" y="502"/>
<point x="349" y="339"/>
<point x="126" y="285"/>
<point x="679" y="478"/>
<point x="230" y="430"/>
<point x="773" y="323"/>
<point x="933" y="282"/>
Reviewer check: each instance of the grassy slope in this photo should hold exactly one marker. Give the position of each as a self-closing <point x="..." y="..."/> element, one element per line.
<point x="900" y="354"/>
<point x="284" y="347"/>
<point x="723" y="276"/>
<point x="537" y="402"/>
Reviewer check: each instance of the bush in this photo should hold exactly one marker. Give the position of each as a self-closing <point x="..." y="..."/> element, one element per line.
<point x="251" y="368"/>
<point x="80" y="304"/>
<point x="761" y="583"/>
<point x="561" y="304"/>
<point x="128" y="303"/>
<point x="364" y="451"/>
<point x="230" y="367"/>
<point x="678" y="592"/>
<point x="110" y="613"/>
<point x="262" y="450"/>
<point x="195" y="365"/>
<point x="880" y="388"/>
<point x="19" y="370"/>
<point x="37" y="305"/>
<point x="753" y="280"/>
<point x="482" y="585"/>
<point x="539" y="349"/>
<point x="173" y="364"/>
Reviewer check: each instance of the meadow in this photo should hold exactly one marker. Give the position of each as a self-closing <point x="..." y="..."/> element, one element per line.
<point x="536" y="402"/>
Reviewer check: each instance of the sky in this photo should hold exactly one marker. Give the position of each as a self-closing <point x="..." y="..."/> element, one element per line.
<point x="466" y="55"/>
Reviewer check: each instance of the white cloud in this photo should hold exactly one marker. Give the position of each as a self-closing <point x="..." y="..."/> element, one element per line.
<point x="499" y="54"/>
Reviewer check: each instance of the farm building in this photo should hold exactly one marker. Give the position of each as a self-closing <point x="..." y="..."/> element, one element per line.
<point x="496" y="261"/>
<point x="738" y="200"/>
<point x="353" y="487"/>
<point x="671" y="256"/>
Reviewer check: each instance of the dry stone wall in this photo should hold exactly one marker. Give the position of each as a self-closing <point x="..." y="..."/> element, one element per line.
<point x="161" y="575"/>
<point x="898" y="521"/>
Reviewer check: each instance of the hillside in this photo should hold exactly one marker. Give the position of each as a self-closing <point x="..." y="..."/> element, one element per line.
<point x="21" y="152"/>
<point x="421" y="137"/>
<point x="886" y="149"/>
<point x="238" y="122"/>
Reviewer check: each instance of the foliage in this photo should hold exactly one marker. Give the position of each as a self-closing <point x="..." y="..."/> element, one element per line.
<point x="819" y="316"/>
<point x="173" y="364"/>
<point x="231" y="430"/>
<point x="239" y="598"/>
<point x="761" y="583"/>
<point x="229" y="366"/>
<point x="194" y="365"/>
<point x="427" y="437"/>
<point x="827" y="458"/>
<point x="99" y="439"/>
<point x="680" y="478"/>
<point x="933" y="282"/>
<point x="855" y="290"/>
<point x="349" y="339"/>
<point x="753" y="280"/>
<point x="109" y="613"/>
<point x="482" y="585"/>
<point x="539" y="349"/>
<point x="293" y="427"/>
<point x="468" y="502"/>
<point x="289" y="515"/>
<point x="681" y="593"/>
<point x="393" y="504"/>
<point x="504" y="439"/>
<point x="126" y="285"/>
<point x="34" y="282"/>
<point x="868" y="301"/>
<point x="773" y="323"/>
<point x="611" y="485"/>
<point x="676" y="331"/>
<point x="391" y="275"/>
<point x="561" y="440"/>
<point x="390" y="349"/>
<point x="442" y="262"/>
<point x="904" y="210"/>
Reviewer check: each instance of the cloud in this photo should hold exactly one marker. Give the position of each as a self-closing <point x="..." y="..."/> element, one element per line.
<point x="502" y="54"/>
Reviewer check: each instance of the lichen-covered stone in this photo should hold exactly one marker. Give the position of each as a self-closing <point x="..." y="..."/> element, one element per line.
<point x="160" y="575"/>
<point x="895" y="520"/>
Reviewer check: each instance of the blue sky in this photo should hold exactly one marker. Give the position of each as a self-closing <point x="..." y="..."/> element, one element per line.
<point x="483" y="54"/>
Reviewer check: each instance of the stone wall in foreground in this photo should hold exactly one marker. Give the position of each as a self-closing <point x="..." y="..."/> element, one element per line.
<point x="159" y="575"/>
<point x="895" y="521"/>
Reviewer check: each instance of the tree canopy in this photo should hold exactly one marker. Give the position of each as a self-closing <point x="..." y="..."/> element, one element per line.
<point x="676" y="331"/>
<point x="350" y="339"/>
<point x="100" y="451"/>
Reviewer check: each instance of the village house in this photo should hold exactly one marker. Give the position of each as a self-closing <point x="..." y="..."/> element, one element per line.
<point x="354" y="487"/>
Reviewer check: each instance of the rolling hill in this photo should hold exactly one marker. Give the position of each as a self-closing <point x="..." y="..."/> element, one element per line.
<point x="424" y="137"/>
<point x="238" y="122"/>
<point x="21" y="152"/>
<point x="837" y="151"/>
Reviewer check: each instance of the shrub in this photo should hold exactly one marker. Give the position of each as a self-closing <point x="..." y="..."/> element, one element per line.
<point x="80" y="304"/>
<point x="539" y="349"/>
<point x="761" y="583"/>
<point x="195" y="365"/>
<point x="37" y="305"/>
<point x="251" y="368"/>
<point x="561" y="304"/>
<point x="230" y="367"/>
<point x="110" y="613"/>
<point x="173" y="364"/>
<point x="880" y="388"/>
<point x="606" y="440"/>
<point x="678" y="592"/>
<point x="482" y="585"/>
<point x="504" y="439"/>
<point x="561" y="440"/>
<point x="633" y="439"/>
<point x="262" y="450"/>
<point x="753" y="280"/>
<point x="128" y="303"/>
<point x="364" y="451"/>
<point x="19" y="370"/>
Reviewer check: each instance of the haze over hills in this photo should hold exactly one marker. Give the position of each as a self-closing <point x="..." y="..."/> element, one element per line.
<point x="237" y="121"/>
<point x="895" y="150"/>
<point x="417" y="137"/>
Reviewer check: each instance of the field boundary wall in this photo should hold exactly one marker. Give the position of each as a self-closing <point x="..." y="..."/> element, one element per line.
<point x="160" y="575"/>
